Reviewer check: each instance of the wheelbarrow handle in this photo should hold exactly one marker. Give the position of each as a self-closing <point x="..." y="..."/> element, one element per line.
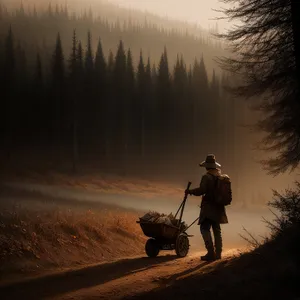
<point x="183" y="204"/>
<point x="184" y="199"/>
<point x="192" y="224"/>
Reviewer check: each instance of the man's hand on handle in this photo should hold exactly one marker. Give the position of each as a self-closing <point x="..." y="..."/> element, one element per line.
<point x="188" y="192"/>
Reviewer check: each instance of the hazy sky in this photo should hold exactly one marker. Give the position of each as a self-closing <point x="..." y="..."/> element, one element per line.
<point x="199" y="11"/>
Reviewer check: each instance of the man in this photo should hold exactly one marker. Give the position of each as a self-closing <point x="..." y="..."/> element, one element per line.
<point x="211" y="213"/>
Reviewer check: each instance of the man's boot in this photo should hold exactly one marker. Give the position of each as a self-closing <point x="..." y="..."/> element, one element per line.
<point x="218" y="241"/>
<point x="218" y="254"/>
<point x="210" y="256"/>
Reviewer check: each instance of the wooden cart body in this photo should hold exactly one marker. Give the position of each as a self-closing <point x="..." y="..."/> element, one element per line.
<point x="166" y="236"/>
<point x="159" y="231"/>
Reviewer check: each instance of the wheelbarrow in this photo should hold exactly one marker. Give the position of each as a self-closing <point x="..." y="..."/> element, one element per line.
<point x="167" y="237"/>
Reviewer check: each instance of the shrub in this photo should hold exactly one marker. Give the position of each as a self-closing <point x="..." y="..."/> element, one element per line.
<point x="287" y="205"/>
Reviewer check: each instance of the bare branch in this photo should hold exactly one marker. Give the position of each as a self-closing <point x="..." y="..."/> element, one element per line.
<point x="263" y="58"/>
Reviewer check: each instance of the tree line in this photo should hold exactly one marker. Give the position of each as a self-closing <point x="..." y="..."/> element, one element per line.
<point x="37" y="28"/>
<point x="110" y="109"/>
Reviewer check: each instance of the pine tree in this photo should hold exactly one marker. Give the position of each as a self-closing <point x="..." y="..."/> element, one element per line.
<point x="41" y="117"/>
<point x="101" y="88"/>
<point x="90" y="94"/>
<point x="80" y="60"/>
<point x="119" y="88"/>
<point x="148" y="71"/>
<point x="120" y="67"/>
<point x="130" y="72"/>
<point x="140" y="73"/>
<point x="216" y="126"/>
<point x="111" y="63"/>
<point x="50" y="12"/>
<point x="214" y="86"/>
<point x="201" y="102"/>
<point x="35" y="14"/>
<point x="65" y="12"/>
<point x="21" y="87"/>
<point x="180" y="80"/>
<point x="73" y="58"/>
<point x="90" y="14"/>
<point x="58" y="68"/>
<point x="21" y="64"/>
<point x="190" y="114"/>
<point x="100" y="64"/>
<point x="203" y="78"/>
<point x="180" y="86"/>
<point x="89" y="60"/>
<point x="129" y="113"/>
<point x="164" y="104"/>
<point x="58" y="91"/>
<point x="154" y="74"/>
<point x="9" y="80"/>
<point x="163" y="78"/>
<point x="1" y="12"/>
<point x="139" y="107"/>
<point x="38" y="75"/>
<point x="109" y="106"/>
<point x="73" y="94"/>
<point x="149" y="116"/>
<point x="81" y="103"/>
<point x="21" y="12"/>
<point x="9" y="61"/>
<point x="57" y="12"/>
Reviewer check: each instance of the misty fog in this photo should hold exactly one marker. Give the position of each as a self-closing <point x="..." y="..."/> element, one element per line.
<point x="232" y="143"/>
<point x="192" y="11"/>
<point x="250" y="219"/>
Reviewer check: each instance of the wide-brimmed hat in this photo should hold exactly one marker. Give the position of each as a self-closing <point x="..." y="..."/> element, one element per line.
<point x="210" y="162"/>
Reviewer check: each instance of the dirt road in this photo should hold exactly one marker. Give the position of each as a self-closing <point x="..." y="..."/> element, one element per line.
<point x="121" y="279"/>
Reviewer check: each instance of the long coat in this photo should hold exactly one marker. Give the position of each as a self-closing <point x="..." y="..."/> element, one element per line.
<point x="209" y="209"/>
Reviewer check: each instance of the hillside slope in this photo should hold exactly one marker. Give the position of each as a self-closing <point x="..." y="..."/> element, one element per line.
<point x="38" y="235"/>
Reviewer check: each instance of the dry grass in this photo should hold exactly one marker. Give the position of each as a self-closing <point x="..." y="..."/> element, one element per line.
<point x="38" y="239"/>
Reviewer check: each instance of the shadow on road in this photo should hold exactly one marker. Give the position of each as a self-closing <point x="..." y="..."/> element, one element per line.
<point x="169" y="283"/>
<point x="173" y="278"/>
<point x="56" y="284"/>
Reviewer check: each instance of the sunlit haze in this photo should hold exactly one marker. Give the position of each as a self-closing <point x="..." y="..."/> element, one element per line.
<point x="196" y="11"/>
<point x="193" y="11"/>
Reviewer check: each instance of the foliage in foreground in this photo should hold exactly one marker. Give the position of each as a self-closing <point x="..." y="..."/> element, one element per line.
<point x="288" y="206"/>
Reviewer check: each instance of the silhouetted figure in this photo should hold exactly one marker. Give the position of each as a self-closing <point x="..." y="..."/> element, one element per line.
<point x="212" y="214"/>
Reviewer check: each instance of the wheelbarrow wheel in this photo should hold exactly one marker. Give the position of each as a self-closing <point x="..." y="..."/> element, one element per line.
<point x="152" y="248"/>
<point x="182" y="245"/>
